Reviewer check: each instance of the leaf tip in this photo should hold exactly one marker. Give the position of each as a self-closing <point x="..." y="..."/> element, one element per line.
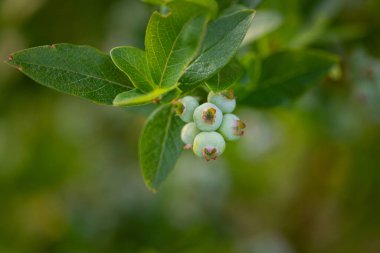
<point x="151" y="187"/>
<point x="11" y="62"/>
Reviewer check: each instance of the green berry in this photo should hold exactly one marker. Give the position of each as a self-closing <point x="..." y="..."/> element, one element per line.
<point x="209" y="145"/>
<point x="188" y="133"/>
<point x="225" y="100"/>
<point x="208" y="117"/>
<point x="232" y="127"/>
<point x="185" y="107"/>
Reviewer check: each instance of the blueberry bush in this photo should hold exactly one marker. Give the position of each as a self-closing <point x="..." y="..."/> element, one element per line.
<point x="193" y="53"/>
<point x="304" y="177"/>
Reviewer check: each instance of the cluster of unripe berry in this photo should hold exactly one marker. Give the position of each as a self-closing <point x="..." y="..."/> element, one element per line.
<point x="209" y="125"/>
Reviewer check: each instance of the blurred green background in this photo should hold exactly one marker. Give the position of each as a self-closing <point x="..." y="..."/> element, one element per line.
<point x="306" y="177"/>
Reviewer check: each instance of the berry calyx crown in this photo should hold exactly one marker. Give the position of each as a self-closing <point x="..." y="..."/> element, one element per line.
<point x="229" y="94"/>
<point x="239" y="128"/>
<point x="208" y="115"/>
<point x="179" y="107"/>
<point x="210" y="153"/>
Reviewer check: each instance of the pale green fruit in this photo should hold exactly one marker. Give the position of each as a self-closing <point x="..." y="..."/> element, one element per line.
<point x="225" y="100"/>
<point x="208" y="117"/>
<point x="188" y="133"/>
<point x="232" y="127"/>
<point x="209" y="145"/>
<point x="185" y="107"/>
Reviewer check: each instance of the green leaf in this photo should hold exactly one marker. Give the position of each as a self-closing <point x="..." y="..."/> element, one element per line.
<point x="77" y="70"/>
<point x="226" y="77"/>
<point x="132" y="61"/>
<point x="172" y="41"/>
<point x="221" y="43"/>
<point x="137" y="97"/>
<point x="287" y="75"/>
<point x="160" y="145"/>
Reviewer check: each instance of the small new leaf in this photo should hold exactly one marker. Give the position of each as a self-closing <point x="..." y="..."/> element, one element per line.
<point x="160" y="145"/>
<point x="137" y="97"/>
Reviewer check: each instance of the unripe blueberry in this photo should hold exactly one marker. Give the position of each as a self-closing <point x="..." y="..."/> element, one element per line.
<point x="188" y="133"/>
<point x="232" y="127"/>
<point x="185" y="107"/>
<point x="209" y="145"/>
<point x="208" y="117"/>
<point x="225" y="100"/>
